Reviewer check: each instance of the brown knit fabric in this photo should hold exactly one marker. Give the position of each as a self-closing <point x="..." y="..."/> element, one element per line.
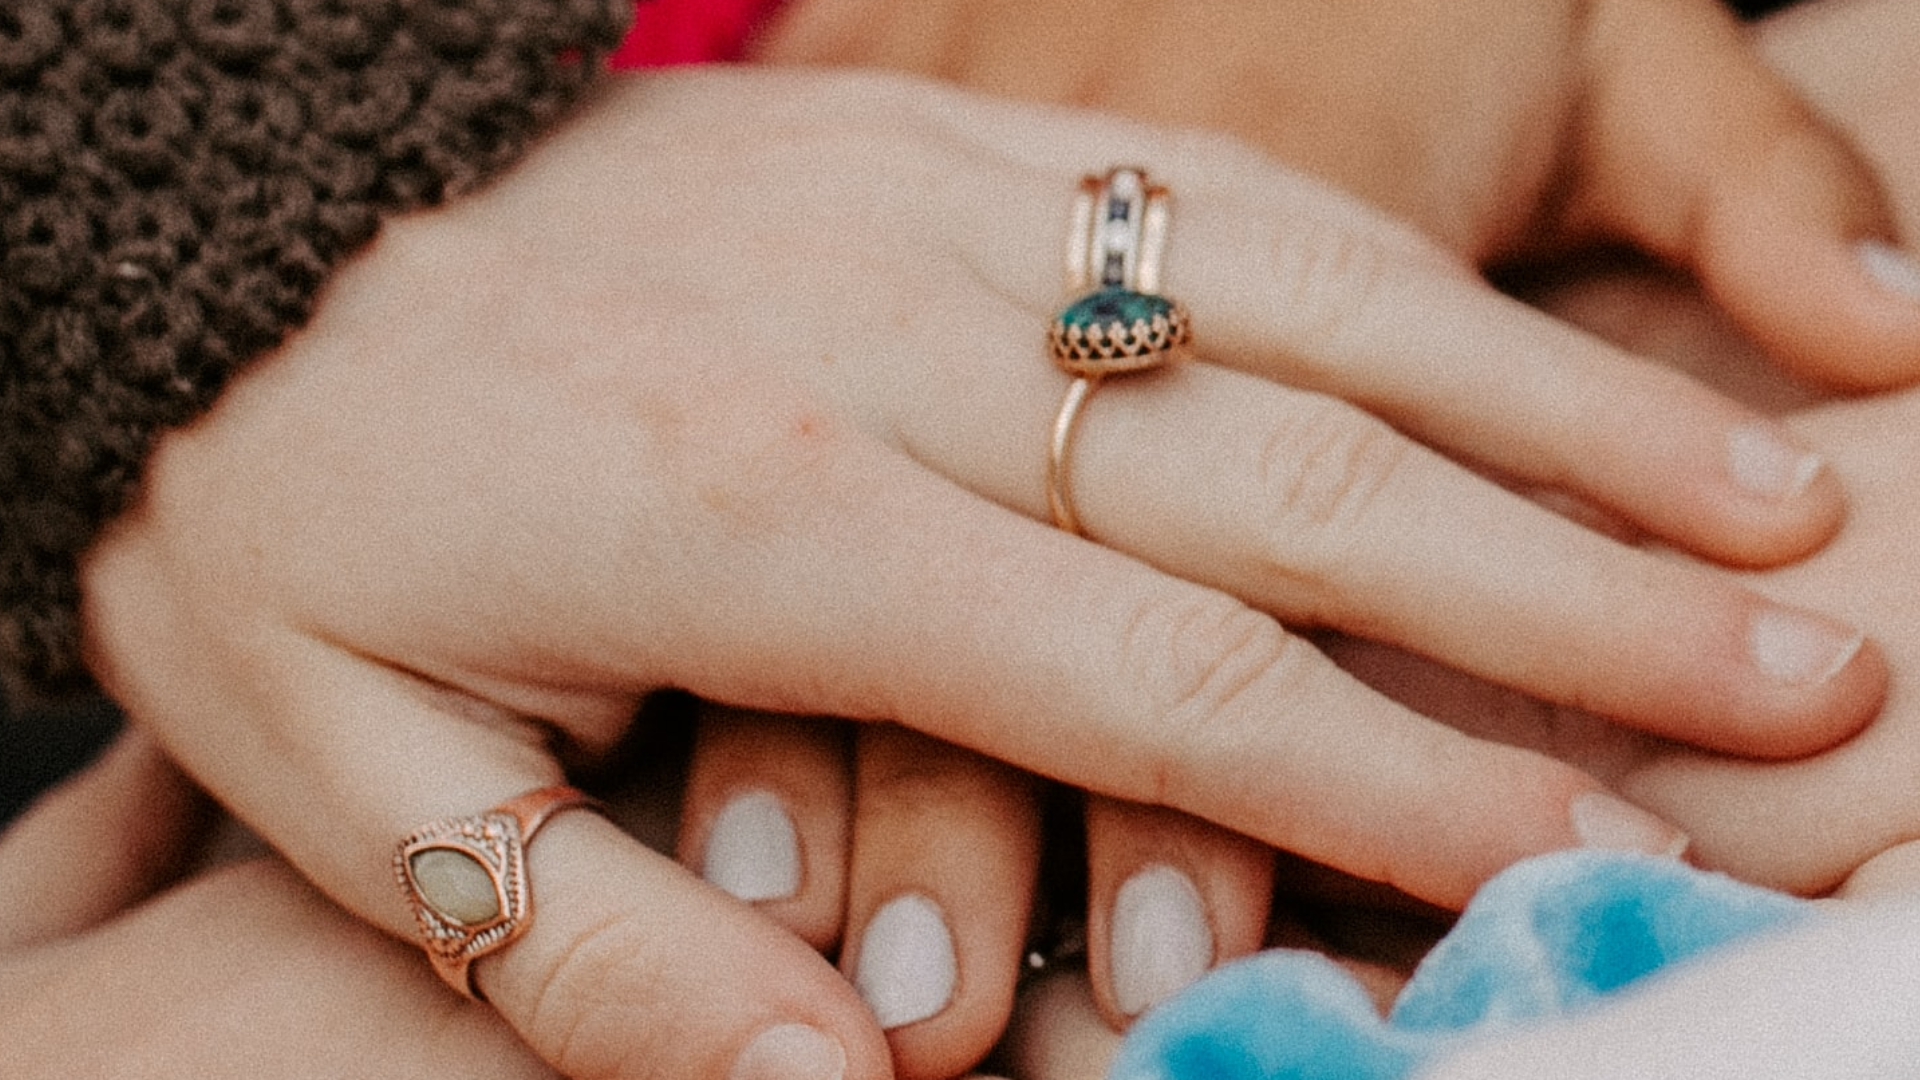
<point x="177" y="180"/>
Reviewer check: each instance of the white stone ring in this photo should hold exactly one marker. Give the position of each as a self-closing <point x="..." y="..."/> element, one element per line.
<point x="466" y="880"/>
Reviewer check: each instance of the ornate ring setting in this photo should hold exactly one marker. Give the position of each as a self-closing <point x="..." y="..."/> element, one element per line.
<point x="466" y="880"/>
<point x="1118" y="324"/>
<point x="1113" y="331"/>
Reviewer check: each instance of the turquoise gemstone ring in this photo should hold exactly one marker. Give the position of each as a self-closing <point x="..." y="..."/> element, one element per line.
<point x="1118" y="322"/>
<point x="1114" y="330"/>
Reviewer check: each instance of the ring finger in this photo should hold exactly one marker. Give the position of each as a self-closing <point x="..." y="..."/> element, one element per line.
<point x="1313" y="510"/>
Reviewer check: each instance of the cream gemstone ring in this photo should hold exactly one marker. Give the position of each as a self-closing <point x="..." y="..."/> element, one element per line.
<point x="466" y="880"/>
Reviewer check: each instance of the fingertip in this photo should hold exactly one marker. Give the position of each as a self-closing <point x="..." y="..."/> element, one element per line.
<point x="1799" y="250"/>
<point x="1170" y="896"/>
<point x="1771" y="501"/>
<point x="946" y="850"/>
<point x="1814" y="683"/>
<point x="1731" y="670"/>
<point x="1707" y="157"/>
<point x="766" y="815"/>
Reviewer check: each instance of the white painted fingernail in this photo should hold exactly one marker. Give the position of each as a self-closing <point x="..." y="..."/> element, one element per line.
<point x="790" y="1052"/>
<point x="753" y="851"/>
<point x="1893" y="268"/>
<point x="1603" y="821"/>
<point x="1801" y="649"/>
<point x="1763" y="461"/>
<point x="1161" y="940"/>
<point x="907" y="968"/>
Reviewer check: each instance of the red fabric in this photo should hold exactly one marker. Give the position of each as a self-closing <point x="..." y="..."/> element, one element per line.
<point x="668" y="32"/>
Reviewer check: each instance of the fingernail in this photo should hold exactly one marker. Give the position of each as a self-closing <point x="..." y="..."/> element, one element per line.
<point x="907" y="968"/>
<point x="752" y="850"/>
<point x="1799" y="649"/>
<point x="790" y="1052"/>
<point x="1763" y="461"/>
<point x="1893" y="268"/>
<point x="1161" y="941"/>
<point x="1602" y="821"/>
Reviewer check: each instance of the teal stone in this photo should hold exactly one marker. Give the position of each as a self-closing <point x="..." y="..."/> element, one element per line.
<point x="1114" y="306"/>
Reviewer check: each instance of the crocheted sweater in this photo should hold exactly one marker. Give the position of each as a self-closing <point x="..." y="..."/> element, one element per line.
<point x="177" y="180"/>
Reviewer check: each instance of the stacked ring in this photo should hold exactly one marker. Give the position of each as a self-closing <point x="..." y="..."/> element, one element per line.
<point x="1118" y="323"/>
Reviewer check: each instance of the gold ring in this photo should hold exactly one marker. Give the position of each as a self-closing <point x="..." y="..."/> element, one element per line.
<point x="1118" y="323"/>
<point x="466" y="880"/>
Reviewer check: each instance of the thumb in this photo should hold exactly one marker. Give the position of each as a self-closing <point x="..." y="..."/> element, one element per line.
<point x="1696" y="152"/>
<point x="629" y="967"/>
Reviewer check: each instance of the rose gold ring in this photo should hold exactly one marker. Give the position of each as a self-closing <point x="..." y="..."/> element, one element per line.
<point x="466" y="879"/>
<point x="1119" y="323"/>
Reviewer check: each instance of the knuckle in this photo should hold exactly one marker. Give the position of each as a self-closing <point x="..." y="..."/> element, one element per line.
<point x="1326" y="279"/>
<point x="1320" y="482"/>
<point x="583" y="1011"/>
<point x="1202" y="661"/>
<point x="921" y="779"/>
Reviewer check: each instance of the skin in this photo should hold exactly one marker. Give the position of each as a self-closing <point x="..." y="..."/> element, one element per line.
<point x="1506" y="133"/>
<point x="67" y="949"/>
<point x="149" y="957"/>
<point x="332" y="567"/>
<point x="1778" y="824"/>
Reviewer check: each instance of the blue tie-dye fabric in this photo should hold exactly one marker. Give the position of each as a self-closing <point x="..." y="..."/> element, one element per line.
<point x="1547" y="936"/>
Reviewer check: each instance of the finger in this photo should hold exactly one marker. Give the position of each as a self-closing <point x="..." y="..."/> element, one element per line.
<point x="946" y="851"/>
<point x="631" y="967"/>
<point x="1698" y="152"/>
<point x="98" y="844"/>
<point x="1058" y="1032"/>
<point x="1337" y="309"/>
<point x="1168" y="898"/>
<point x="1327" y="296"/>
<point x="768" y="808"/>
<point x="901" y="597"/>
<point x="1307" y="507"/>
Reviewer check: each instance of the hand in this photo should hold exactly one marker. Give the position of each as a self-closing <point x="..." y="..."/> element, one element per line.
<point x="1505" y="131"/>
<point x="1807" y="825"/>
<point x="107" y="969"/>
<point x="736" y="387"/>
